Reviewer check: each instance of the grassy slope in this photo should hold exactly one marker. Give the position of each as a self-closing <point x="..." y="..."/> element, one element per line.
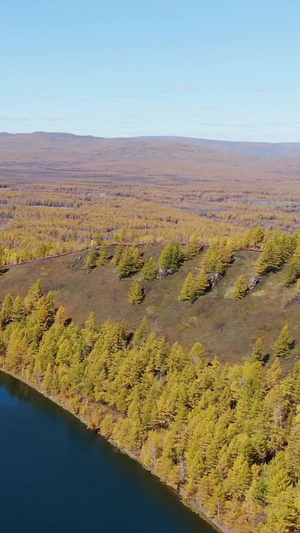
<point x="227" y="328"/>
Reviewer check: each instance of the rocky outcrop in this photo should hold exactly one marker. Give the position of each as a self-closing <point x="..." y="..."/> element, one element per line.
<point x="253" y="282"/>
<point x="214" y="279"/>
<point x="164" y="272"/>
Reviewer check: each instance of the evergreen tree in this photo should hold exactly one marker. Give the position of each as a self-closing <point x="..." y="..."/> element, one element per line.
<point x="277" y="251"/>
<point x="241" y="475"/>
<point x="130" y="262"/>
<point x="46" y="311"/>
<point x="137" y="257"/>
<point x="270" y="259"/>
<point x="104" y="256"/>
<point x="171" y="257"/>
<point x="293" y="268"/>
<point x="48" y="378"/>
<point x="149" y="270"/>
<point x="140" y="334"/>
<point x="273" y="375"/>
<point x="283" y="345"/>
<point x="7" y="310"/>
<point x="254" y="237"/>
<point x="258" y="235"/>
<point x="61" y="316"/>
<point x="90" y="331"/>
<point x="98" y="238"/>
<point x="258" y="351"/>
<point x="91" y="259"/>
<point x="210" y="259"/>
<point x="19" y="310"/>
<point x="201" y="282"/>
<point x="240" y="288"/>
<point x="136" y="293"/>
<point x="33" y="296"/>
<point x="188" y="291"/>
<point x="293" y="273"/>
<point x="119" y="252"/>
<point x="217" y="258"/>
<point x="193" y="248"/>
<point x="197" y="355"/>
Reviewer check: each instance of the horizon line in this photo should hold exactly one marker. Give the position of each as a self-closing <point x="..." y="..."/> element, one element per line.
<point x="161" y="137"/>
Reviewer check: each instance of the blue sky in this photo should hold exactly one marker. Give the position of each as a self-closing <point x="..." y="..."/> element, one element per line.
<point x="222" y="69"/>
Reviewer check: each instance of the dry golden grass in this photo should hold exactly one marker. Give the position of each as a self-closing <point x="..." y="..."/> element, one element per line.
<point x="227" y="328"/>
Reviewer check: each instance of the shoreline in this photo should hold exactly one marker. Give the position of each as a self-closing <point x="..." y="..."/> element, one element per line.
<point x="219" y="528"/>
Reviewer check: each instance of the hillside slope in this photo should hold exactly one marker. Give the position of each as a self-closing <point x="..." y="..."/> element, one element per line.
<point x="227" y="328"/>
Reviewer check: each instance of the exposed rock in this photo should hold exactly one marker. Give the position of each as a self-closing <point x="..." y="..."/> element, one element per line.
<point x="253" y="282"/>
<point x="164" y="272"/>
<point x="214" y="278"/>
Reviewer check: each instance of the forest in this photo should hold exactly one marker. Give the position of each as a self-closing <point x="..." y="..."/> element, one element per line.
<point x="173" y="330"/>
<point x="226" y="437"/>
<point x="152" y="201"/>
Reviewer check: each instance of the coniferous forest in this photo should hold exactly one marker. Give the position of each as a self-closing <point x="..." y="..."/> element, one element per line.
<point x="172" y="330"/>
<point x="225" y="436"/>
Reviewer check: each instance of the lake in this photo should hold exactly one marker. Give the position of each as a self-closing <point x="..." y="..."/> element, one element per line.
<point x="59" y="477"/>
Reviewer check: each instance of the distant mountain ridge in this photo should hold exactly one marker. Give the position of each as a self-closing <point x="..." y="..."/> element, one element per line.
<point x="43" y="155"/>
<point x="249" y="149"/>
<point x="244" y="148"/>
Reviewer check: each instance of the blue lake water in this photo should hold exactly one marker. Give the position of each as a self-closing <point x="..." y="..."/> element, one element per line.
<point x="58" y="477"/>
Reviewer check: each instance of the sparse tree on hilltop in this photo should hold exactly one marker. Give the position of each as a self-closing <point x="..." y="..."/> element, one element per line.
<point x="104" y="255"/>
<point x="91" y="259"/>
<point x="130" y="262"/>
<point x="240" y="288"/>
<point x="171" y="257"/>
<point x="119" y="253"/>
<point x="193" y="248"/>
<point x="201" y="282"/>
<point x="149" y="270"/>
<point x="188" y="291"/>
<point x="136" y="293"/>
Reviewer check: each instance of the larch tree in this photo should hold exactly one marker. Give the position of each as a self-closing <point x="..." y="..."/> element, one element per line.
<point x="119" y="252"/>
<point x="171" y="257"/>
<point x="91" y="259"/>
<point x="193" y="248"/>
<point x="61" y="316"/>
<point x="240" y="288"/>
<point x="283" y="345"/>
<point x="201" y="282"/>
<point x="188" y="291"/>
<point x="33" y="296"/>
<point x="130" y="262"/>
<point x="149" y="270"/>
<point x="104" y="256"/>
<point x="258" y="353"/>
<point x="136" y="293"/>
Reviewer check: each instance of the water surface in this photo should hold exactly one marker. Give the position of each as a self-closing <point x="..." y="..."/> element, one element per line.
<point x="58" y="477"/>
